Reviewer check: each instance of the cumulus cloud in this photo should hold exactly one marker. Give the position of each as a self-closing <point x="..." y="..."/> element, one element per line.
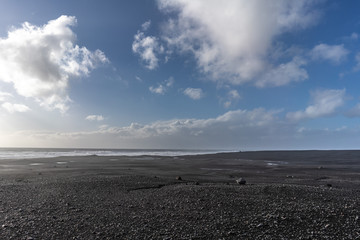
<point x="95" y="118"/>
<point x="325" y="103"/>
<point x="13" y="107"/>
<point x="162" y="87"/>
<point x="284" y="74"/>
<point x="194" y="93"/>
<point x="39" y="61"/>
<point x="233" y="95"/>
<point x="4" y="96"/>
<point x="237" y="53"/>
<point x="147" y="47"/>
<point x="333" y="53"/>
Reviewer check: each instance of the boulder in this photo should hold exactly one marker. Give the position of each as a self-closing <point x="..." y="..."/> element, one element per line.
<point x="241" y="181"/>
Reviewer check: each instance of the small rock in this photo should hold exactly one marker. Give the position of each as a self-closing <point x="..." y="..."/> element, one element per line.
<point x="178" y="178"/>
<point x="329" y="185"/>
<point x="241" y="181"/>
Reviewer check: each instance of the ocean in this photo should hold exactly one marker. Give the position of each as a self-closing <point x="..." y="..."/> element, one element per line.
<point x="30" y="153"/>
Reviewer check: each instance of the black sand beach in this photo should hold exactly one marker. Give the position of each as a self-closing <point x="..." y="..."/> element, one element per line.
<point x="288" y="195"/>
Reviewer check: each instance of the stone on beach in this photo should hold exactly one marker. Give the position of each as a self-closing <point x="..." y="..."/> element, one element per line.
<point x="241" y="181"/>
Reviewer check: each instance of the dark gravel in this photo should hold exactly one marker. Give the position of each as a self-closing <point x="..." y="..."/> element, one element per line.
<point x="143" y="207"/>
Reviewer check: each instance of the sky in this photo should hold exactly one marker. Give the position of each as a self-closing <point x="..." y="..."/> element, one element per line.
<point x="180" y="74"/>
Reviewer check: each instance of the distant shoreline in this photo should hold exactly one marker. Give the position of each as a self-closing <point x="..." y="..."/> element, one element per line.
<point x="33" y="153"/>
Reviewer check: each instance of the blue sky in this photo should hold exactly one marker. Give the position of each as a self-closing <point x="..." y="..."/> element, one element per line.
<point x="247" y="75"/>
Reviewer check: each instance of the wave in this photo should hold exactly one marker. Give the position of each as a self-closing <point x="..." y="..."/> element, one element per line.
<point x="30" y="153"/>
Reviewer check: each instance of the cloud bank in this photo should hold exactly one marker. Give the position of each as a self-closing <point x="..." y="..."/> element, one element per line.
<point x="242" y="129"/>
<point x="39" y="61"/>
<point x="230" y="129"/>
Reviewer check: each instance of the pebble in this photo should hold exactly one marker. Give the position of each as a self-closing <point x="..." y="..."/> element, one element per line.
<point x="102" y="208"/>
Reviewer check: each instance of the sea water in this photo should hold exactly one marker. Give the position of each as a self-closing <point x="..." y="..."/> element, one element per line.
<point x="29" y="153"/>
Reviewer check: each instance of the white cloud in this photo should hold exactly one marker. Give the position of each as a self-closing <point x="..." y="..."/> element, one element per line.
<point x="357" y="59"/>
<point x="162" y="87"/>
<point x="236" y="53"/>
<point x="333" y="53"/>
<point x="284" y="74"/>
<point x="232" y="95"/>
<point x="12" y="108"/>
<point x="95" y="118"/>
<point x="147" y="47"/>
<point x="146" y="25"/>
<point x="325" y="103"/>
<point x="169" y="82"/>
<point x="39" y="61"/>
<point x="138" y="78"/>
<point x="4" y="96"/>
<point x="194" y="93"/>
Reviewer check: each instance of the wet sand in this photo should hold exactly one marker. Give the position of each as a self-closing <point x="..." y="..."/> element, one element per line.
<point x="288" y="195"/>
